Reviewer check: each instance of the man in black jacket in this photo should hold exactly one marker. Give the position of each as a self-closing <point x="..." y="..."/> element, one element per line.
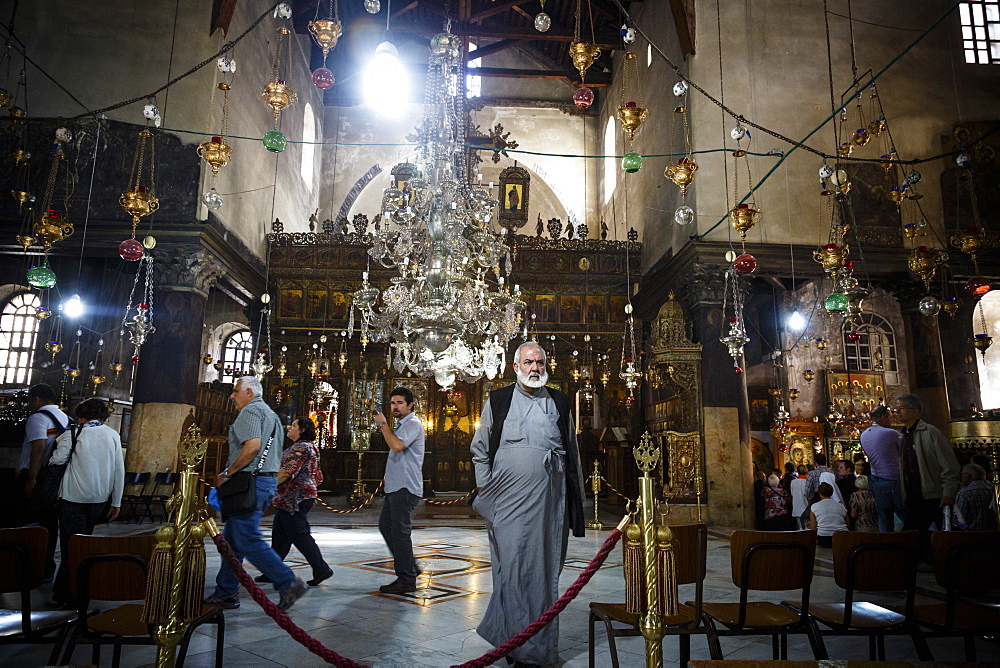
<point x="530" y="482"/>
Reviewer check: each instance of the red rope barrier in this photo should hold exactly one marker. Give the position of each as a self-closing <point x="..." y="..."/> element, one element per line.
<point x="550" y="614"/>
<point x="283" y="620"/>
<point x="328" y="655"/>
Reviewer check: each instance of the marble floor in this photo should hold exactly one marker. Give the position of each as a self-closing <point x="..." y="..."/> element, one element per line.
<point x="436" y="626"/>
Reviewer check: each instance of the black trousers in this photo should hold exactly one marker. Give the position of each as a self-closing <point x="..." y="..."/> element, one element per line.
<point x="289" y="529"/>
<point x="73" y="518"/>
<point x="395" y="525"/>
<point x="920" y="514"/>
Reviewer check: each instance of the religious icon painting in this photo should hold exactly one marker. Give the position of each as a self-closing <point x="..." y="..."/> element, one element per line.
<point x="338" y="305"/>
<point x="316" y="305"/>
<point x="596" y="310"/>
<point x="570" y="309"/>
<point x="617" y="311"/>
<point x="514" y="183"/>
<point x="545" y="308"/>
<point x="290" y="304"/>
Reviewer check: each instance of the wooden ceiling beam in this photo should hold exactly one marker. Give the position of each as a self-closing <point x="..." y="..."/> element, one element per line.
<point x="222" y="15"/>
<point x="594" y="79"/>
<point x="606" y="40"/>
<point x="413" y="5"/>
<point x="498" y="8"/>
<point x="490" y="49"/>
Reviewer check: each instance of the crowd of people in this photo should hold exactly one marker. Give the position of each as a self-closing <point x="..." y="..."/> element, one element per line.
<point x="909" y="479"/>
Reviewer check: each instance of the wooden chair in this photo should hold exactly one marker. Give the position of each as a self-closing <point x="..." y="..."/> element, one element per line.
<point x="690" y="553"/>
<point x="135" y="488"/>
<point x="22" y="562"/>
<point x="769" y="561"/>
<point x="110" y="568"/>
<point x="964" y="561"/>
<point x="874" y="561"/>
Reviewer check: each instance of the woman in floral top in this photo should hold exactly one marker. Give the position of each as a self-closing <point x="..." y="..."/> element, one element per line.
<point x="863" y="508"/>
<point x="298" y="480"/>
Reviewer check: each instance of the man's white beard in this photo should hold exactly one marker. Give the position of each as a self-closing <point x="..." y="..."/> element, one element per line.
<point x="539" y="380"/>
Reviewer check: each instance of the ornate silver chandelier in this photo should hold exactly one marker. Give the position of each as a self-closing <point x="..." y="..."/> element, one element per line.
<point x="450" y="312"/>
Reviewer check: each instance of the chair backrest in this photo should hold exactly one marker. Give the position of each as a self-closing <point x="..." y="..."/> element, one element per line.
<point x="120" y="581"/>
<point x="772" y="560"/>
<point x="966" y="560"/>
<point x="167" y="479"/>
<point x="873" y="561"/>
<point x="29" y="541"/>
<point x="135" y="483"/>
<point x="690" y="550"/>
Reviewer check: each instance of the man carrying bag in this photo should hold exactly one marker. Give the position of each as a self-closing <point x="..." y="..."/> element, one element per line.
<point x="256" y="440"/>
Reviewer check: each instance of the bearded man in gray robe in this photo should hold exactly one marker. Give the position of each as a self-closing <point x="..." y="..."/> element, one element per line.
<point x="530" y="482"/>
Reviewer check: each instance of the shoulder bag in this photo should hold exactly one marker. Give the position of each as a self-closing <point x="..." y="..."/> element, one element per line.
<point x="239" y="495"/>
<point x="46" y="490"/>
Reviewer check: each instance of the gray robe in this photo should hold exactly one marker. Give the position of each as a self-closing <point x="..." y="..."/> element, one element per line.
<point x="523" y="499"/>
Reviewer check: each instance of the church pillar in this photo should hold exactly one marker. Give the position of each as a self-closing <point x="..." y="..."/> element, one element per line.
<point x="166" y="386"/>
<point x="928" y="375"/>
<point x="726" y="408"/>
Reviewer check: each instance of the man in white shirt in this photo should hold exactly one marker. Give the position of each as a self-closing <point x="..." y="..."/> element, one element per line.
<point x="43" y="426"/>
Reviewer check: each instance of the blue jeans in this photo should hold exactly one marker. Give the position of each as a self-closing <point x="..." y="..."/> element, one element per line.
<point x="242" y="532"/>
<point x="888" y="500"/>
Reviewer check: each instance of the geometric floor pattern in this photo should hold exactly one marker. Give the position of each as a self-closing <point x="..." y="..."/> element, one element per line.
<point x="435" y="626"/>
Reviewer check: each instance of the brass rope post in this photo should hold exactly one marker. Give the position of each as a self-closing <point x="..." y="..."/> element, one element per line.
<point x="168" y="634"/>
<point x="595" y="481"/>
<point x="647" y="454"/>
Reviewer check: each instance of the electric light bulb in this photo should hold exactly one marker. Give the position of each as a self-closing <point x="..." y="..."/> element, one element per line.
<point x="73" y="307"/>
<point x="796" y="322"/>
<point x="386" y="84"/>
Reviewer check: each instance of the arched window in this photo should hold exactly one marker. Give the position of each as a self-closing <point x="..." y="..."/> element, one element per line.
<point x="610" y="162"/>
<point x="874" y="349"/>
<point x="473" y="83"/>
<point x="237" y="353"/>
<point x="307" y="168"/>
<point x="989" y="365"/>
<point x="18" y="331"/>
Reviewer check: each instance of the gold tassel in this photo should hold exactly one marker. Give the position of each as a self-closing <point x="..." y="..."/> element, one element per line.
<point x="635" y="587"/>
<point x="161" y="566"/>
<point x="194" y="579"/>
<point x="666" y="567"/>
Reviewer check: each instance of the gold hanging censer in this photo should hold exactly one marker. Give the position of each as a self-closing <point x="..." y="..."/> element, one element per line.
<point x="277" y="94"/>
<point x="982" y="342"/>
<point x="139" y="199"/>
<point x="630" y="112"/>
<point x="216" y="152"/>
<point x="583" y="54"/>
<point x="924" y="262"/>
<point x="326" y="32"/>
<point x="744" y="215"/>
<point x="96" y="378"/>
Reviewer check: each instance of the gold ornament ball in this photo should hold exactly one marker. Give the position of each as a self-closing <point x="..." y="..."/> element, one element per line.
<point x="265" y="298"/>
<point x="149" y="242"/>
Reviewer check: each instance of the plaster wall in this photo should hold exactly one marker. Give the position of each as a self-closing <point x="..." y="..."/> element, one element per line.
<point x="645" y="200"/>
<point x="774" y="68"/>
<point x="259" y="186"/>
<point x="112" y="51"/>
<point x="557" y="186"/>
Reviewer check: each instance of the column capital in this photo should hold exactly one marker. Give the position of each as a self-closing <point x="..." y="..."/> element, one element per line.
<point x="187" y="267"/>
<point x="703" y="284"/>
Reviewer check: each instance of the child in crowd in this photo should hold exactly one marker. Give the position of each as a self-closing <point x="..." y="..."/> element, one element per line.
<point x="827" y="516"/>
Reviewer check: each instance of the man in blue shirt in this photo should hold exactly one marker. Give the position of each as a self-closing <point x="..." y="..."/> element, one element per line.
<point x="404" y="485"/>
<point x="256" y="439"/>
<point x="881" y="445"/>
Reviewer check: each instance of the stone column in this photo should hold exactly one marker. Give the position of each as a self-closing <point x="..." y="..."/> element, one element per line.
<point x="726" y="408"/>
<point x="166" y="385"/>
